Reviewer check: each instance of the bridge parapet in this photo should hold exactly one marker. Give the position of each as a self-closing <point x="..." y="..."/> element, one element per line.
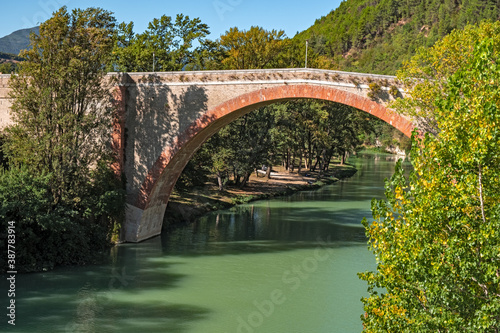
<point x="263" y="74"/>
<point x="344" y="80"/>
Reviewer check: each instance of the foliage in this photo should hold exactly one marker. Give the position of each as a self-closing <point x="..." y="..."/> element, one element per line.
<point x="166" y="43"/>
<point x="49" y="235"/>
<point x="236" y="150"/>
<point x="319" y="130"/>
<point x="208" y="56"/>
<point x="394" y="91"/>
<point x="378" y="36"/>
<point x="437" y="236"/>
<point x="243" y="199"/>
<point x="426" y="74"/>
<point x="253" y="49"/>
<point x="7" y="67"/>
<point x="375" y="90"/>
<point x="3" y="159"/>
<point x="62" y="112"/>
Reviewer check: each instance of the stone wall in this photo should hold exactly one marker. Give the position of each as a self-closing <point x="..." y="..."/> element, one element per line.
<point x="5" y="103"/>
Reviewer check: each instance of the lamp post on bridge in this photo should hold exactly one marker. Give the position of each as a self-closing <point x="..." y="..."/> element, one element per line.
<point x="153" y="62"/>
<point x="307" y="45"/>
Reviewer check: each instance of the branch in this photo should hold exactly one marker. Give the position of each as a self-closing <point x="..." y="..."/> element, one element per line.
<point x="481" y="193"/>
<point x="483" y="286"/>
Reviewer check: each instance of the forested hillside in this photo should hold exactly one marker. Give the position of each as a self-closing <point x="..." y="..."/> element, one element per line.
<point x="376" y="36"/>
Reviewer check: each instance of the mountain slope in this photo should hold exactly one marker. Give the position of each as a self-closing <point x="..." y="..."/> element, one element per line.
<point x="376" y="36"/>
<point x="16" y="41"/>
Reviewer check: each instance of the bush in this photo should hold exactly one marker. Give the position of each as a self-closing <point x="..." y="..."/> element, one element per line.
<point x="48" y="234"/>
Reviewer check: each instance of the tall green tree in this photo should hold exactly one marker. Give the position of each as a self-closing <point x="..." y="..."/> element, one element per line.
<point x="61" y="105"/>
<point x="59" y="146"/>
<point x="166" y="45"/>
<point x="437" y="236"/>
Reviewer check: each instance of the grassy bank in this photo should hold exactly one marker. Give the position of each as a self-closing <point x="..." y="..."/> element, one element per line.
<point x="187" y="205"/>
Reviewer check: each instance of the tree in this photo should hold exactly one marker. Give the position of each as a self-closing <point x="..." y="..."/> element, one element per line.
<point x="207" y="56"/>
<point x="253" y="49"/>
<point x="7" y="67"/>
<point x="426" y="74"/>
<point x="166" y="43"/>
<point x="237" y="149"/>
<point x="437" y="236"/>
<point x="60" y="106"/>
<point x="250" y="140"/>
<point x="61" y="140"/>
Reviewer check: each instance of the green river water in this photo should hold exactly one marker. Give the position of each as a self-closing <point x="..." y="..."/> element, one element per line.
<point x="284" y="265"/>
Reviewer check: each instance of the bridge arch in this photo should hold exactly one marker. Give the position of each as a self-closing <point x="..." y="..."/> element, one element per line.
<point x="155" y="191"/>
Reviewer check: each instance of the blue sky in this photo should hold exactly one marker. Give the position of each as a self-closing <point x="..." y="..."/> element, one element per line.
<point x="220" y="15"/>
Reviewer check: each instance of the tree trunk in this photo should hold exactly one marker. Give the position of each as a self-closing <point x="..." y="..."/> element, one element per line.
<point x="220" y="182"/>
<point x="309" y="154"/>
<point x="287" y="163"/>
<point x="300" y="162"/>
<point x="268" y="171"/>
<point x="315" y="164"/>
<point x="321" y="162"/>
<point x="245" y="179"/>
<point x="328" y="161"/>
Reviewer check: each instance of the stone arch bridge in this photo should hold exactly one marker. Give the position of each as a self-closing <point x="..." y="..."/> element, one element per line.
<point x="165" y="117"/>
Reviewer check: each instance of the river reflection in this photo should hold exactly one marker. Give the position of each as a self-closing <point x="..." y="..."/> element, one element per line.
<point x="282" y="265"/>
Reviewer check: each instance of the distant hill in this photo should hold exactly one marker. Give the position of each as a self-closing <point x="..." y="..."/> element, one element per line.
<point x="376" y="36"/>
<point x="16" y="41"/>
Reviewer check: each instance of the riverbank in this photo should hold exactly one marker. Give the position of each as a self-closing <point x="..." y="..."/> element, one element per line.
<point x="185" y="206"/>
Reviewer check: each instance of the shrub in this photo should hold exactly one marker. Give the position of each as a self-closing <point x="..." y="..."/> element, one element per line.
<point x="73" y="232"/>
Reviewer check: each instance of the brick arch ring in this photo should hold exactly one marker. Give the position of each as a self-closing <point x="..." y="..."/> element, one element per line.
<point x="159" y="183"/>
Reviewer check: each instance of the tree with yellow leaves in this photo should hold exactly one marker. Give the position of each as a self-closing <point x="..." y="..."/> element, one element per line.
<point x="256" y="48"/>
<point x="437" y="236"/>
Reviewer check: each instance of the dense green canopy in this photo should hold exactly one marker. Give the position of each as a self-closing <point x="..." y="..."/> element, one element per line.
<point x="437" y="236"/>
